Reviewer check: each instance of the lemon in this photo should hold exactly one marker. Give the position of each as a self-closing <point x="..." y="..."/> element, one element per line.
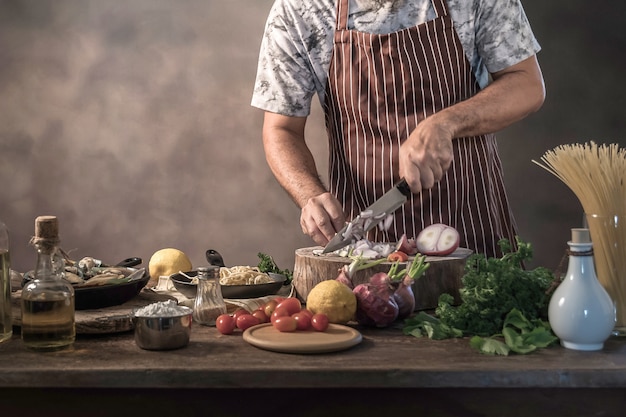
<point x="334" y="299"/>
<point x="166" y="262"/>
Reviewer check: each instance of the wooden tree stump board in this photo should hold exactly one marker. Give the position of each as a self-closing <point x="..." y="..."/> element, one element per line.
<point x="443" y="275"/>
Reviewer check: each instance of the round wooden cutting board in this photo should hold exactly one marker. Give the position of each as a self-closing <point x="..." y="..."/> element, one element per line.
<point x="443" y="275"/>
<point x="337" y="337"/>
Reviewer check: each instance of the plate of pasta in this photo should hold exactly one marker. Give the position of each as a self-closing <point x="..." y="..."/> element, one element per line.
<point x="236" y="282"/>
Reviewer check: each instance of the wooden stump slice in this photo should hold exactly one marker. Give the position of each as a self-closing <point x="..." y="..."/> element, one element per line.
<point x="443" y="275"/>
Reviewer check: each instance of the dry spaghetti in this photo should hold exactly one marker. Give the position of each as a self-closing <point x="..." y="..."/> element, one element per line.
<point x="596" y="174"/>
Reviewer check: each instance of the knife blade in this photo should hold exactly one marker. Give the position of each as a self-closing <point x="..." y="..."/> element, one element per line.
<point x="371" y="216"/>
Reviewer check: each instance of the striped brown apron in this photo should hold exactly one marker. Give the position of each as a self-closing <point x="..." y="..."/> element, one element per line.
<point x="380" y="86"/>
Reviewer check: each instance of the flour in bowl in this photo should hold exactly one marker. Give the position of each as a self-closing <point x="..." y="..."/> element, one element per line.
<point x="167" y="308"/>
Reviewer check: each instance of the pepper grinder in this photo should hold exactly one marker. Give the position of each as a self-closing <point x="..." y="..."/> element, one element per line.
<point x="209" y="303"/>
<point x="581" y="312"/>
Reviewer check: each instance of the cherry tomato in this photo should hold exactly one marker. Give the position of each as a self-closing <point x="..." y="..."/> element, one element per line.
<point x="279" y="312"/>
<point x="240" y="312"/>
<point x="285" y="324"/>
<point x="291" y="304"/>
<point x="303" y="320"/>
<point x="246" y="320"/>
<point x="319" y="322"/>
<point x="307" y="312"/>
<point x="269" y="307"/>
<point x="398" y="256"/>
<point x="278" y="299"/>
<point x="225" y="324"/>
<point x="260" y="314"/>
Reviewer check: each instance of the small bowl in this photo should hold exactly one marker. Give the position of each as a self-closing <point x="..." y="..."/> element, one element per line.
<point x="163" y="333"/>
<point x="188" y="288"/>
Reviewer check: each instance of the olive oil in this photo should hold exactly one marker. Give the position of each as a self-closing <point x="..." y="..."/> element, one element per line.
<point x="48" y="322"/>
<point x="48" y="300"/>
<point x="6" y="324"/>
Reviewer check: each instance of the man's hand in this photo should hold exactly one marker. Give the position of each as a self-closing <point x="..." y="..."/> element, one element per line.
<point x="426" y="155"/>
<point x="515" y="92"/>
<point x="321" y="217"/>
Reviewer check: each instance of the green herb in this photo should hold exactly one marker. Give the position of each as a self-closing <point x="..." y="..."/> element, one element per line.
<point x="267" y="265"/>
<point x="425" y="325"/>
<point x="503" y="307"/>
<point x="492" y="287"/>
<point x="520" y="336"/>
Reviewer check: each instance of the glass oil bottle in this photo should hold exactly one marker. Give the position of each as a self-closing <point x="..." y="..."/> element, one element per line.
<point x="6" y="318"/>
<point x="48" y="300"/>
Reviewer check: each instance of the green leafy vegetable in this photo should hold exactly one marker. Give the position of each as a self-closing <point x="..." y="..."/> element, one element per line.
<point x="520" y="336"/>
<point x="492" y="287"/>
<point x="425" y="325"/>
<point x="503" y="308"/>
<point x="267" y="264"/>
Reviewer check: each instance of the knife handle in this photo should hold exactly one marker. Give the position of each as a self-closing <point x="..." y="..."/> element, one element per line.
<point x="403" y="187"/>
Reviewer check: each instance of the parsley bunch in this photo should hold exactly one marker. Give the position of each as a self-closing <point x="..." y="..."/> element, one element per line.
<point x="492" y="287"/>
<point x="499" y="299"/>
<point x="267" y="264"/>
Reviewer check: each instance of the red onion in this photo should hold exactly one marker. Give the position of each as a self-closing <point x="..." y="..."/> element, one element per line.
<point x="375" y="304"/>
<point x="344" y="278"/>
<point x="404" y="297"/>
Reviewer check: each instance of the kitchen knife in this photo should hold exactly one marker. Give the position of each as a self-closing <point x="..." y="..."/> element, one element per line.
<point x="385" y="205"/>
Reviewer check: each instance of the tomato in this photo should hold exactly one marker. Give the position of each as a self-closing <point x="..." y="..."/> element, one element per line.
<point x="278" y="299"/>
<point x="279" y="312"/>
<point x="291" y="304"/>
<point x="225" y="324"/>
<point x="285" y="324"/>
<point x="319" y="322"/>
<point x="398" y="256"/>
<point x="247" y="320"/>
<point x="303" y="320"/>
<point x="307" y="312"/>
<point x="260" y="314"/>
<point x="269" y="307"/>
<point x="240" y="312"/>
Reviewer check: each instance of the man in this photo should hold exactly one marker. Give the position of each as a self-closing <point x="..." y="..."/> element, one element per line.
<point x="410" y="89"/>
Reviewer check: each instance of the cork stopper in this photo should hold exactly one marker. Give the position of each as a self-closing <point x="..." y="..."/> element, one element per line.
<point x="581" y="236"/>
<point x="47" y="227"/>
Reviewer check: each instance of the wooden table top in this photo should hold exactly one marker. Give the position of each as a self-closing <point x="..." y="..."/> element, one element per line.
<point x="384" y="358"/>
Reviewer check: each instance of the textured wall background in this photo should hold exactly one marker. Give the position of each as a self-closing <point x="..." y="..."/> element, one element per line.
<point x="130" y="120"/>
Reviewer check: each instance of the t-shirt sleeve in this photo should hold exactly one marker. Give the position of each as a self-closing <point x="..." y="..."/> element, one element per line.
<point x="284" y="82"/>
<point x="504" y="36"/>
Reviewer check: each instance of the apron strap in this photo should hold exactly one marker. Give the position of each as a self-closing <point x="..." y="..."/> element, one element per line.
<point x="342" y="14"/>
<point x="441" y="7"/>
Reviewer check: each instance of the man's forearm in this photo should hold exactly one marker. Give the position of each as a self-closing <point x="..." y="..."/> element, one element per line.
<point x="513" y="95"/>
<point x="290" y="159"/>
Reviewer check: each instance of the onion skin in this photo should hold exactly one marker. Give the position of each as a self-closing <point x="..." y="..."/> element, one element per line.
<point x="404" y="298"/>
<point x="344" y="278"/>
<point x="375" y="305"/>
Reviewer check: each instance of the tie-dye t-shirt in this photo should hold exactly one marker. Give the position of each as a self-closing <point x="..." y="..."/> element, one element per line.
<point x="297" y="45"/>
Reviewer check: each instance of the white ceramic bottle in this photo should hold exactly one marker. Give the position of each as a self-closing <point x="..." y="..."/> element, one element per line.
<point x="581" y="312"/>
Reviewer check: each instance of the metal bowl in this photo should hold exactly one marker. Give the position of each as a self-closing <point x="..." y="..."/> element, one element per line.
<point x="163" y="333"/>
<point x="188" y="288"/>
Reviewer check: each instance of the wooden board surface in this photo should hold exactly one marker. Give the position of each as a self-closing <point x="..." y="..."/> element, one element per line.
<point x="115" y="319"/>
<point x="443" y="275"/>
<point x="337" y="337"/>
